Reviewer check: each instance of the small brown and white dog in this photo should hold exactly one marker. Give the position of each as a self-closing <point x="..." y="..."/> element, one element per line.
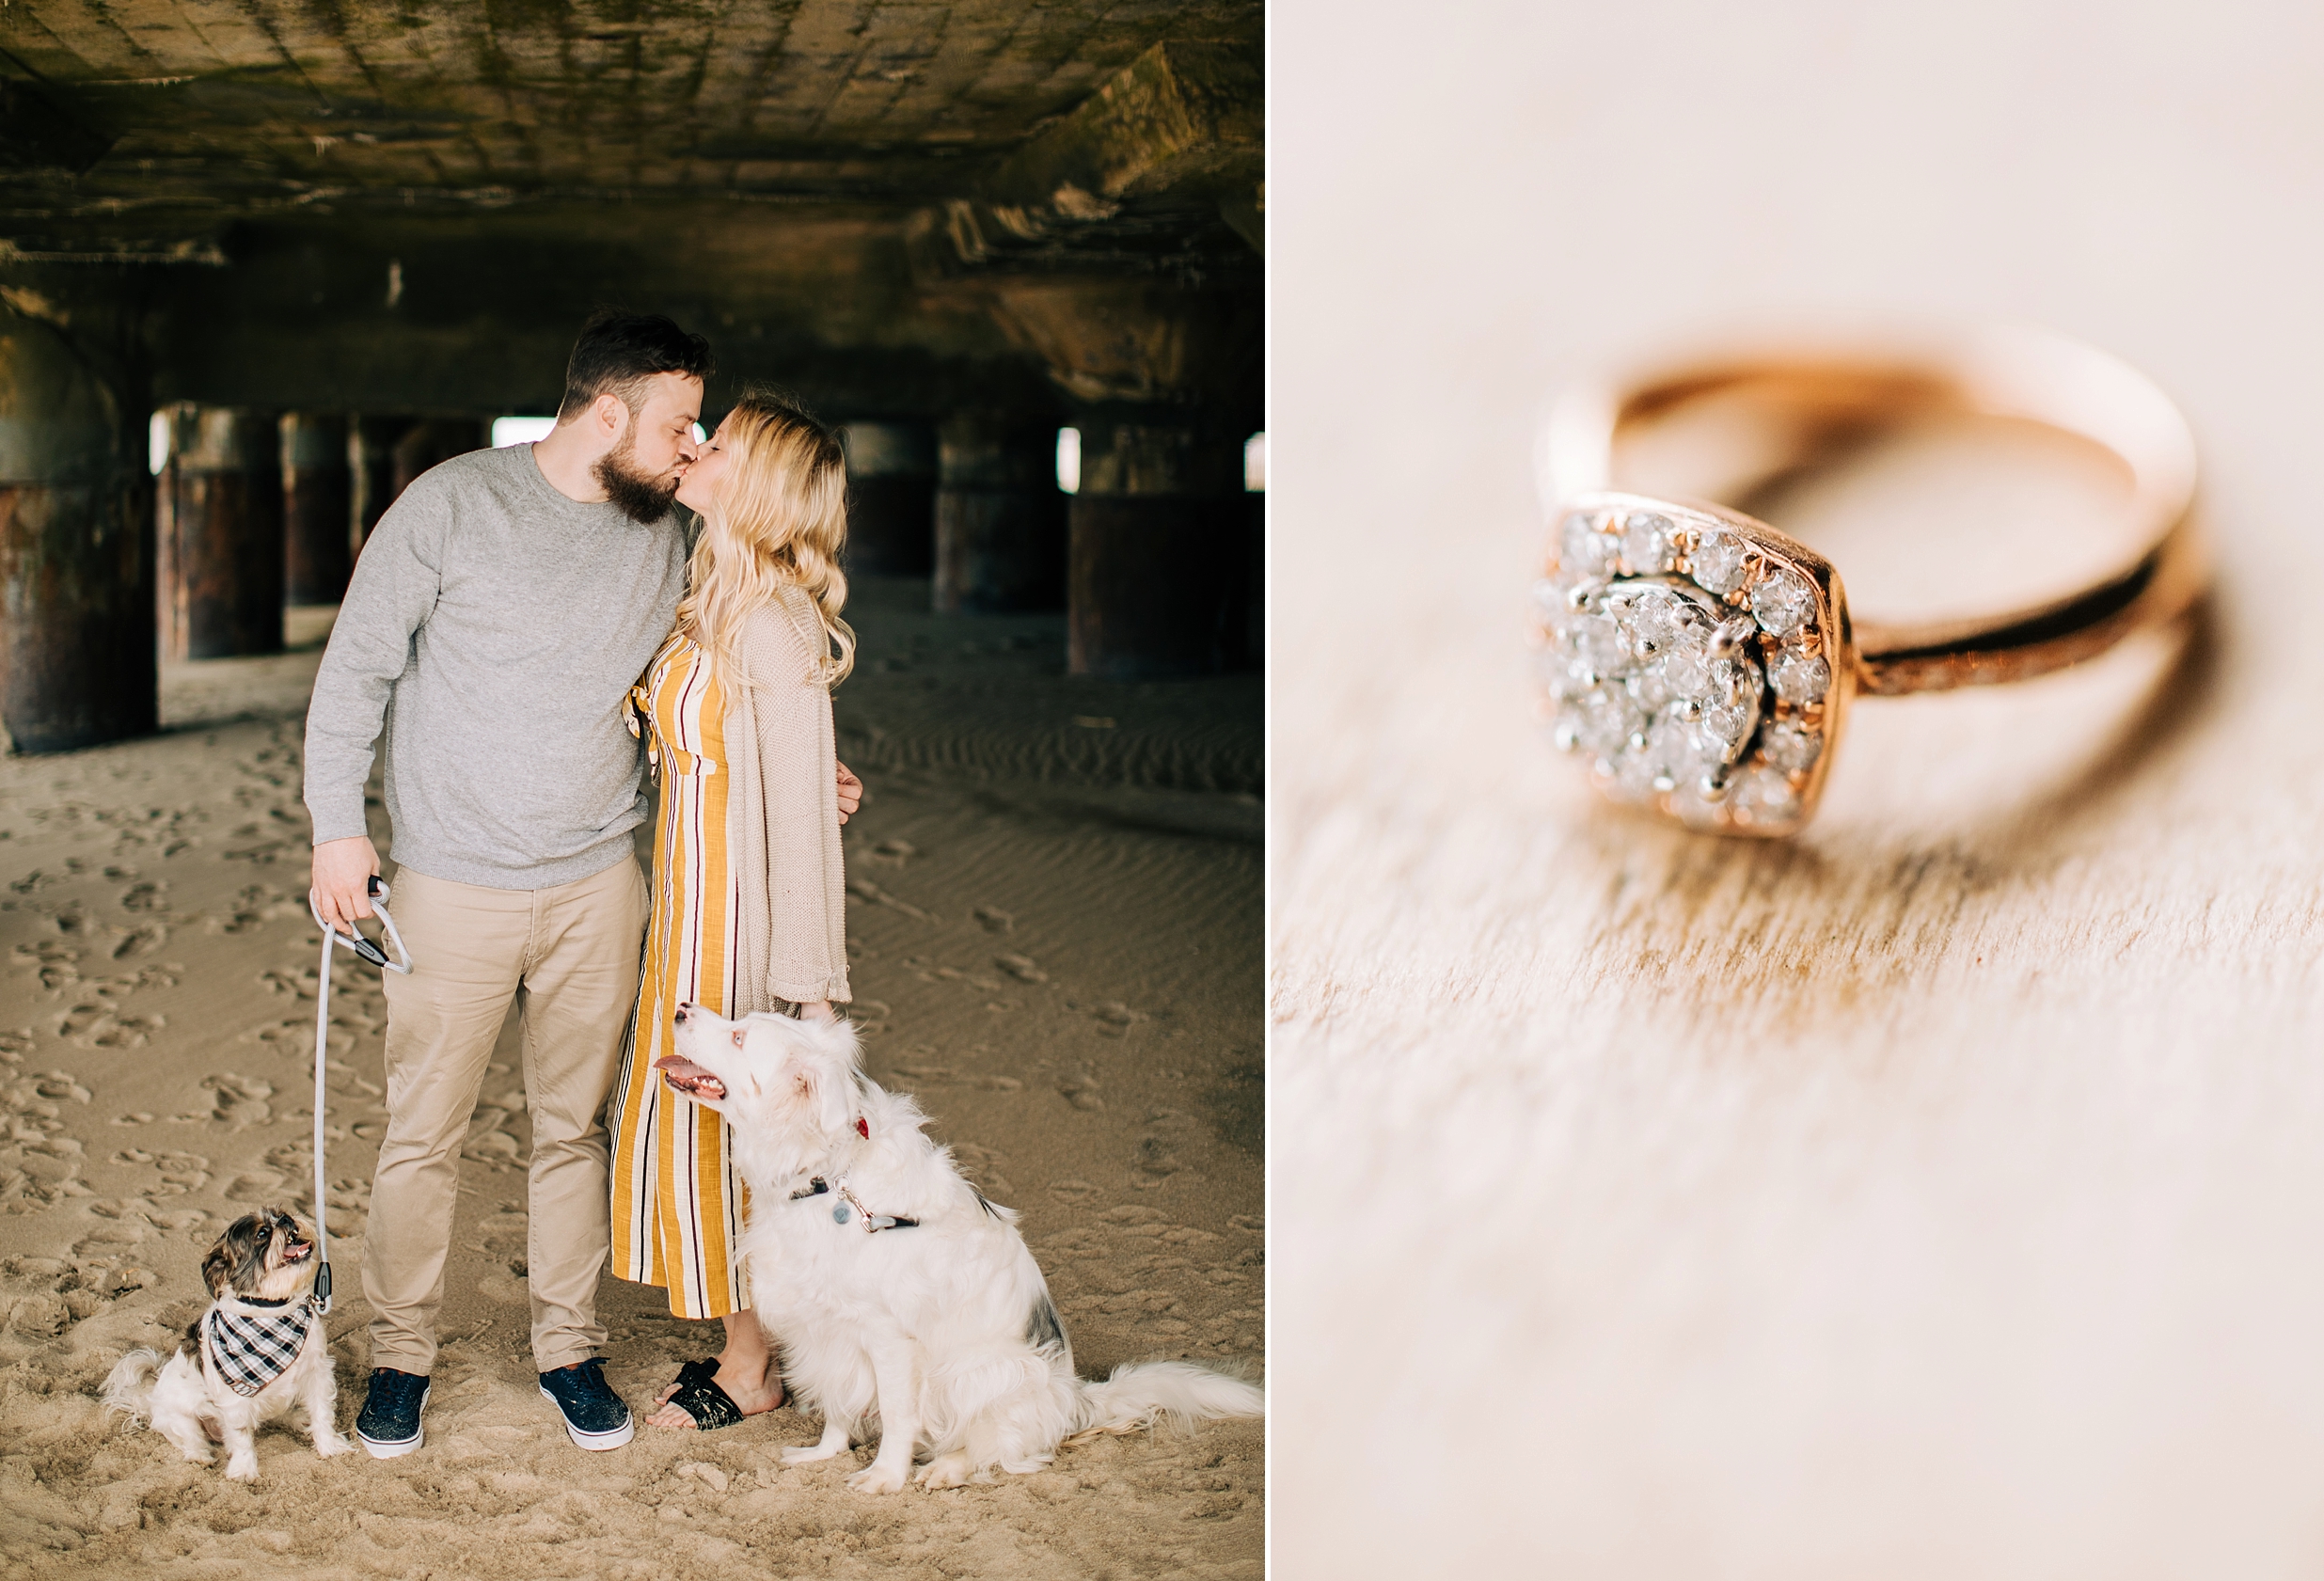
<point x="259" y="1348"/>
<point x="892" y="1287"/>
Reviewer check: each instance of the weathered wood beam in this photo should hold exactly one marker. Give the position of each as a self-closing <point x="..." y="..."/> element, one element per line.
<point x="318" y="523"/>
<point x="1000" y="519"/>
<point x="891" y="498"/>
<point x="1161" y="553"/>
<point x="76" y="545"/>
<point x="221" y="526"/>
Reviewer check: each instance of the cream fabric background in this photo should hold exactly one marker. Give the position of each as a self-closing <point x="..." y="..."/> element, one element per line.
<point x="1944" y="1195"/>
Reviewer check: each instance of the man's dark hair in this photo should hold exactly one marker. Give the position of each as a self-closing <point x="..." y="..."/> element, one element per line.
<point x="619" y="352"/>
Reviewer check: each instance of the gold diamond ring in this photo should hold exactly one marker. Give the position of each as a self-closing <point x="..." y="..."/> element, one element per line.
<point x="1703" y="663"/>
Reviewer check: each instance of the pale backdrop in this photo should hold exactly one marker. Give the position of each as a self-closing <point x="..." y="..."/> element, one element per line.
<point x="1942" y="1195"/>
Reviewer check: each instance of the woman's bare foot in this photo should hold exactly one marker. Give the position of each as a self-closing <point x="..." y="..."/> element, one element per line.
<point x="746" y="1373"/>
<point x="767" y="1396"/>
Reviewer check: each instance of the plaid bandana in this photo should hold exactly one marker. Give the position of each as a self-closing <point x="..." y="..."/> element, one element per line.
<point x="251" y="1349"/>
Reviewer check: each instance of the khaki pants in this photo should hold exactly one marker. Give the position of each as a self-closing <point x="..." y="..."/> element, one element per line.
<point x="568" y="956"/>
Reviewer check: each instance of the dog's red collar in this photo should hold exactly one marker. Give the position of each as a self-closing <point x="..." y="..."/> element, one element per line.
<point x="863" y="1128"/>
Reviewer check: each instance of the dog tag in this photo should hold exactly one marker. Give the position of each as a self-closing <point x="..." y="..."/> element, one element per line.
<point x="839" y="1214"/>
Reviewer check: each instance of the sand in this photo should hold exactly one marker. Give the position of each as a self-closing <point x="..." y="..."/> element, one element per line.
<point x="1054" y="920"/>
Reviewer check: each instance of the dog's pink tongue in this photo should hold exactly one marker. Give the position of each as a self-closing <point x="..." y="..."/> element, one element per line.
<point x="683" y="1068"/>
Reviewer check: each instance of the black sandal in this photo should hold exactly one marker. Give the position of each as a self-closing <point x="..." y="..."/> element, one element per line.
<point x="700" y="1397"/>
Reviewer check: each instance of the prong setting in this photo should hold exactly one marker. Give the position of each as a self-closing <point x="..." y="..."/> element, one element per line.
<point x="1733" y="634"/>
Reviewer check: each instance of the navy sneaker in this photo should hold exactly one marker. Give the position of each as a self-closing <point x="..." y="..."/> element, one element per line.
<point x="390" y="1425"/>
<point x="595" y="1414"/>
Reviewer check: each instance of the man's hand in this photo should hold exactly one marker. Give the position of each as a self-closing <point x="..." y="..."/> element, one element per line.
<point x="343" y="872"/>
<point x="850" y="793"/>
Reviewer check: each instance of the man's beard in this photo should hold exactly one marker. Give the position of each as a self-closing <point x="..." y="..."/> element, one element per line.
<point x="639" y="497"/>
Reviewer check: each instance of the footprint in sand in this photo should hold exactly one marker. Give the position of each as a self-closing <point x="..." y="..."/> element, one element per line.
<point x="1081" y="1090"/>
<point x="36" y="1175"/>
<point x="1115" y="1019"/>
<point x="1133" y="1218"/>
<point x="895" y="853"/>
<point x="708" y="1475"/>
<point x="993" y="920"/>
<point x="293" y="1157"/>
<point x="1159" y="1148"/>
<point x="863" y="888"/>
<point x="1140" y="1304"/>
<point x="111" y="1237"/>
<point x="1082" y="1242"/>
<point x="298" y="985"/>
<point x="256" y="1185"/>
<point x="238" y="1100"/>
<point x="256" y="844"/>
<point x="54" y="967"/>
<point x="142" y="939"/>
<point x="506" y="1286"/>
<point x="93" y="1023"/>
<point x="1072" y="1191"/>
<point x="490" y="1140"/>
<point x="1186" y="1235"/>
<point x="40" y="1316"/>
<point x="350" y="1197"/>
<point x="346" y="1082"/>
<point x="160" y="1218"/>
<point x="350" y="1202"/>
<point x="180" y="1173"/>
<point x="55" y="1085"/>
<point x="495" y="1147"/>
<point x="920" y="1078"/>
<point x="154" y="974"/>
<point x="1022" y="968"/>
<point x="38" y="1167"/>
<point x="255" y="905"/>
<point x="982" y="1165"/>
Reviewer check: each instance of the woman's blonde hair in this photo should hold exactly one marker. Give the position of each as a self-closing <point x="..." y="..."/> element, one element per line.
<point x="780" y="516"/>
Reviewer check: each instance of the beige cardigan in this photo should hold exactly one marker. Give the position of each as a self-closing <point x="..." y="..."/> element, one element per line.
<point x="783" y="814"/>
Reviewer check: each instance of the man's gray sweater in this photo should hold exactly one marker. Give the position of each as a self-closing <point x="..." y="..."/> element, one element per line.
<point x="497" y="627"/>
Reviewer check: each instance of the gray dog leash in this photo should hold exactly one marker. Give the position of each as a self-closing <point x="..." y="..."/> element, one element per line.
<point x="378" y="957"/>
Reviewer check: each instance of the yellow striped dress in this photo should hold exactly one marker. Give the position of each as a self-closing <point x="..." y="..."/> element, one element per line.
<point x="677" y="1203"/>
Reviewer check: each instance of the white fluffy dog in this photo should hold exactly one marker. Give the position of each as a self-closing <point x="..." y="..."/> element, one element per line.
<point x="259" y="1348"/>
<point x="890" y="1285"/>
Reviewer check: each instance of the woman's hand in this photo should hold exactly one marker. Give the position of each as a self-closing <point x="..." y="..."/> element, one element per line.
<point x="817" y="1010"/>
<point x="850" y="793"/>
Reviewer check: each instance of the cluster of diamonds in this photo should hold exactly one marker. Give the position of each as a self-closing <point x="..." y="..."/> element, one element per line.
<point x="1687" y="663"/>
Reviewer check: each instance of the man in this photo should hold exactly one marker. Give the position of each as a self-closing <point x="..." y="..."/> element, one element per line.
<point x="495" y="622"/>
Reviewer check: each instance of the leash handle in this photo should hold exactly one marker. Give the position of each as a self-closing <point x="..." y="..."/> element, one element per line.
<point x="354" y="940"/>
<point x="378" y="892"/>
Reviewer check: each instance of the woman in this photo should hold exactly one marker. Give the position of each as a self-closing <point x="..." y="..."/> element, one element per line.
<point x="736" y="712"/>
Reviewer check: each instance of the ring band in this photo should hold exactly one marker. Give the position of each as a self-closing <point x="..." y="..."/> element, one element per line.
<point x="1705" y="662"/>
